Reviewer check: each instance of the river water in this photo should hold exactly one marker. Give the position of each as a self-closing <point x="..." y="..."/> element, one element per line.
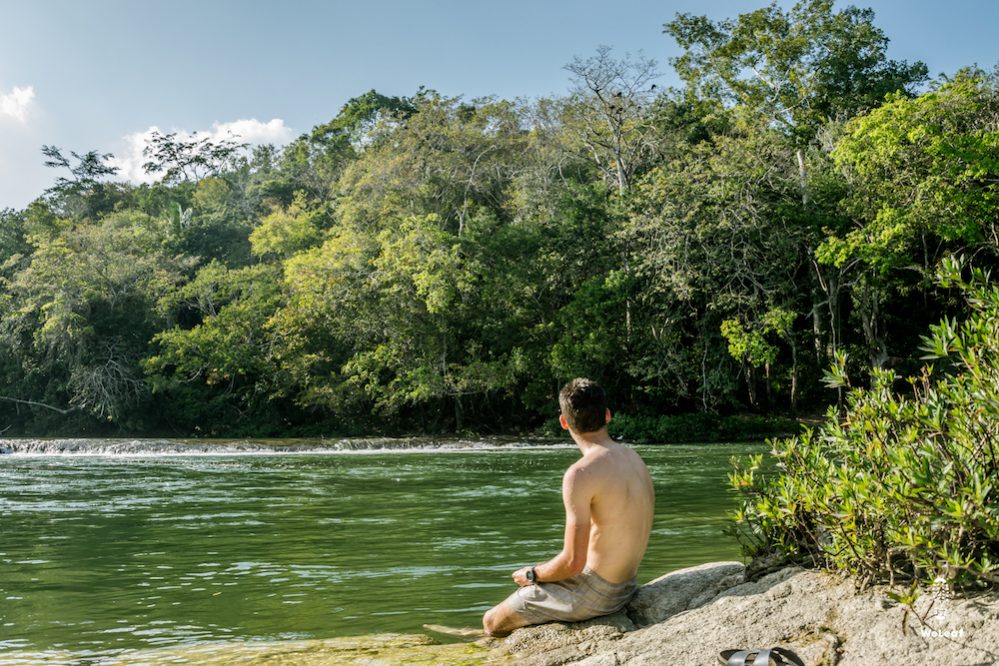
<point x="110" y="546"/>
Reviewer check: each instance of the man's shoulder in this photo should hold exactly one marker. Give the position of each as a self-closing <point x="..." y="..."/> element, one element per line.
<point x="577" y="470"/>
<point x="582" y="472"/>
<point x="589" y="468"/>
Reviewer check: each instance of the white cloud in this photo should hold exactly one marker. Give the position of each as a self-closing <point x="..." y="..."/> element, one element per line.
<point x="17" y="102"/>
<point x="251" y="131"/>
<point x="130" y="160"/>
<point x="254" y="132"/>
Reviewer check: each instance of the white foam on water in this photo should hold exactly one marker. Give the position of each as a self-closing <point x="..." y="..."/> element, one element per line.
<point x="143" y="448"/>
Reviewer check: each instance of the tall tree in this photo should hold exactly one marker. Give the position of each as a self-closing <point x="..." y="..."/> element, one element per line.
<point x="713" y="239"/>
<point x="316" y="160"/>
<point x="449" y="158"/>
<point x="216" y="364"/>
<point x="86" y="192"/>
<point x="189" y="158"/>
<point x="923" y="183"/>
<point x="609" y="111"/>
<point x="799" y="68"/>
<point x="81" y="314"/>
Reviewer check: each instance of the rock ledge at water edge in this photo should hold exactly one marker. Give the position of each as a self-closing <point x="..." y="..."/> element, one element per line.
<point x="685" y="617"/>
<point x="689" y="616"/>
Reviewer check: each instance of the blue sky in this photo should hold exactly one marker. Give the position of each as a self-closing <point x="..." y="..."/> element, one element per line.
<point x="98" y="74"/>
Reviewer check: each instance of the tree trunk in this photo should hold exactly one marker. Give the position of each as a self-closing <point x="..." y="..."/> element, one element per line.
<point x="766" y="383"/>
<point x="704" y="379"/>
<point x="457" y="413"/>
<point x="830" y="286"/>
<point x="794" y="374"/>
<point x="802" y="176"/>
<point x="622" y="176"/>
<point x="818" y="333"/>
<point x="870" y="313"/>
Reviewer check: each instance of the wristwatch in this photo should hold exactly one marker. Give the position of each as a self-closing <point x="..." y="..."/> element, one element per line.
<point x="531" y="576"/>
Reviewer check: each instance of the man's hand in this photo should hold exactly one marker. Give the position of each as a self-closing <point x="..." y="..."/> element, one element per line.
<point x="520" y="576"/>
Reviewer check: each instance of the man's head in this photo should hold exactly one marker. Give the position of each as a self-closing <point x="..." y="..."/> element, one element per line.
<point x="583" y="405"/>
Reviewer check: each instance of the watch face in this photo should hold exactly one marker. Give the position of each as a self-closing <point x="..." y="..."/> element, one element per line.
<point x="530" y="575"/>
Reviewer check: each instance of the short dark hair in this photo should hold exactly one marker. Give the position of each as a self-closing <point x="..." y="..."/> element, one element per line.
<point x="583" y="405"/>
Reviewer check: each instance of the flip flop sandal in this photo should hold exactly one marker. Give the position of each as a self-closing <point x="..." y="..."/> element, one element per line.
<point x="765" y="657"/>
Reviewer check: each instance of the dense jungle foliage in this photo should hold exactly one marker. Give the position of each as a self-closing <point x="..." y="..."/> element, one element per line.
<point x="436" y="264"/>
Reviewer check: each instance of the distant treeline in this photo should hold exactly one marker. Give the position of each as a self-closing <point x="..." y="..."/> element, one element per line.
<point x="430" y="263"/>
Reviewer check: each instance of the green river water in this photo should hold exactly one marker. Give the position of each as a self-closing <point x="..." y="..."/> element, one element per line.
<point x="110" y="549"/>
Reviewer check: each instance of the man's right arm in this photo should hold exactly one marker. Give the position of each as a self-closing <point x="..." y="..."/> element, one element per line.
<point x="577" y="495"/>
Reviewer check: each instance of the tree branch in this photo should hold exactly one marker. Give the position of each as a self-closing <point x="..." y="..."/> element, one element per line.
<point x="39" y="404"/>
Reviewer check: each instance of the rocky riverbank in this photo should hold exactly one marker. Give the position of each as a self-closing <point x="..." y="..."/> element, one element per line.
<point x="689" y="616"/>
<point x="685" y="617"/>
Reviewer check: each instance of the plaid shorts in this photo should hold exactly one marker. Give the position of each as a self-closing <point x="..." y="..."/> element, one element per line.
<point x="572" y="600"/>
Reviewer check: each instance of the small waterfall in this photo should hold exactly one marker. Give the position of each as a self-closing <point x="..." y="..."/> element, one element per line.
<point x="189" y="447"/>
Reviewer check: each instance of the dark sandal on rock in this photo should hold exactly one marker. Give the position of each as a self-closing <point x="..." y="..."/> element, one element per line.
<point x="767" y="657"/>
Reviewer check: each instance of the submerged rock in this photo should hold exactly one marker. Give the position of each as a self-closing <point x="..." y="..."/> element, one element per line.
<point x="378" y="650"/>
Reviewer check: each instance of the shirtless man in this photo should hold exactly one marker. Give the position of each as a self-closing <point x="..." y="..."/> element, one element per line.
<point x="609" y="503"/>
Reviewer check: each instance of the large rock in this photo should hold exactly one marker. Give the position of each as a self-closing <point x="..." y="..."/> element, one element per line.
<point x="558" y="643"/>
<point x="790" y="608"/>
<point x="664" y="597"/>
<point x="822" y="617"/>
<point x="682" y="590"/>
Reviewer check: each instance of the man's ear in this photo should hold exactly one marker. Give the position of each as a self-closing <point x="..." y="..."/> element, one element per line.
<point x="562" y="422"/>
<point x="607" y="417"/>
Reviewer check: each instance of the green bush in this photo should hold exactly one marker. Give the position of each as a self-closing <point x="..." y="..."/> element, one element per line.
<point x="900" y="487"/>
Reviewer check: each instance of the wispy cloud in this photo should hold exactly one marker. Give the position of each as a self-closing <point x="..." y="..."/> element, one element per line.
<point x="17" y="103"/>
<point x="251" y="131"/>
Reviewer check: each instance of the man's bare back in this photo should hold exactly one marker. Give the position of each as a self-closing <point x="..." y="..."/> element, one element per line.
<point x="621" y="509"/>
<point x="609" y="506"/>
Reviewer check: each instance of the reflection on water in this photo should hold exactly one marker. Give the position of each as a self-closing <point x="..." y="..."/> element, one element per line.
<point x="105" y="553"/>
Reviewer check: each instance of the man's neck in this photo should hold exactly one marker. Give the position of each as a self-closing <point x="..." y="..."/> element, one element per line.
<point x="591" y="441"/>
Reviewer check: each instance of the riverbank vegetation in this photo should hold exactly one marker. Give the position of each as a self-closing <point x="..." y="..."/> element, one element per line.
<point x="901" y="487"/>
<point x="433" y="263"/>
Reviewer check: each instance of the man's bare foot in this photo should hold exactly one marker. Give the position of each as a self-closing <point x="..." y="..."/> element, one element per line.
<point x="463" y="632"/>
